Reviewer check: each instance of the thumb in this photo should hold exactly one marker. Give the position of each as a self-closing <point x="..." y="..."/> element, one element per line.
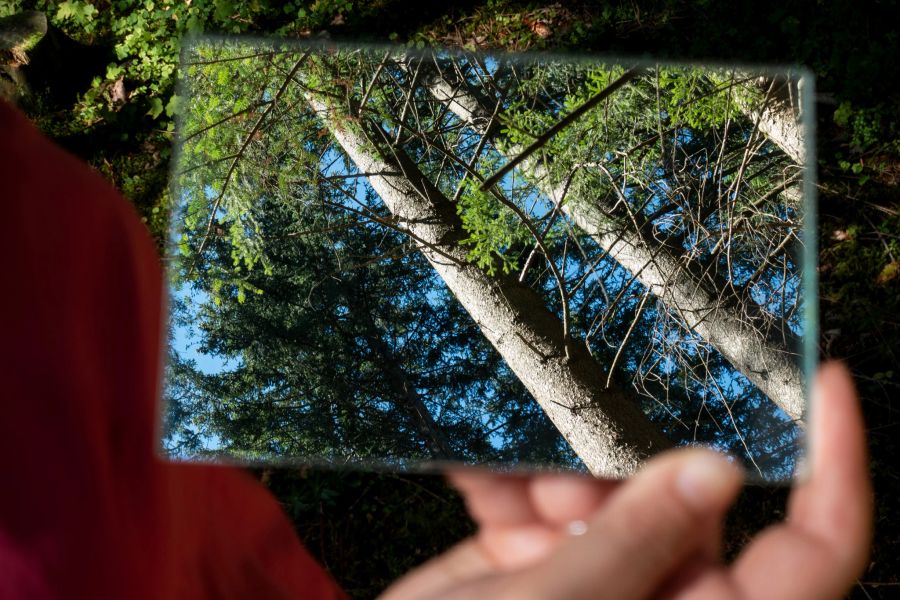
<point x="648" y="527"/>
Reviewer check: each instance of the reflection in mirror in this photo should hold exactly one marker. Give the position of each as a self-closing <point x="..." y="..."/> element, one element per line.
<point x="391" y="258"/>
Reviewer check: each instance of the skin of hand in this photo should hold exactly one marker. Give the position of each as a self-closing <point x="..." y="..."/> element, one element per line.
<point x="658" y="534"/>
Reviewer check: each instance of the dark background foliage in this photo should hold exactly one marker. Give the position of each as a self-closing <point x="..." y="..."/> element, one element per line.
<point x="368" y="528"/>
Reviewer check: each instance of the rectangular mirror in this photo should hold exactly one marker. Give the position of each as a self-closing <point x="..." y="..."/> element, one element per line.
<point x="398" y="259"/>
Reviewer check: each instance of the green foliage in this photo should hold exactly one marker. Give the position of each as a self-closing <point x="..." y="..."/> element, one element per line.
<point x="871" y="129"/>
<point x="691" y="98"/>
<point x="80" y="13"/>
<point x="325" y="348"/>
<point x="212" y="177"/>
<point x="144" y="39"/>
<point x="495" y="231"/>
<point x="519" y="27"/>
<point x="222" y="284"/>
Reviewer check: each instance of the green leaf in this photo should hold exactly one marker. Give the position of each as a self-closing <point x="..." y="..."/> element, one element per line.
<point x="172" y="105"/>
<point x="224" y="10"/>
<point x="80" y="12"/>
<point x="843" y="113"/>
<point x="156" y="108"/>
<point x="194" y="24"/>
<point x="113" y="71"/>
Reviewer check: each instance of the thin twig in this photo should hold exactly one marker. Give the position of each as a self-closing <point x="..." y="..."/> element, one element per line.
<point x="637" y="317"/>
<point x="378" y="71"/>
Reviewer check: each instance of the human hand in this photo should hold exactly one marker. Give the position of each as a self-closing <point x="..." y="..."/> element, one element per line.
<point x="659" y="533"/>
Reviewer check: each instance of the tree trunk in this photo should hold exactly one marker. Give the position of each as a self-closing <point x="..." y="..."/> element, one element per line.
<point x="604" y="426"/>
<point x="765" y="360"/>
<point x="51" y="64"/>
<point x="778" y="118"/>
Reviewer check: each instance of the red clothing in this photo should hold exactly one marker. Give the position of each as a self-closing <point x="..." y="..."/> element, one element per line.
<point x="87" y="509"/>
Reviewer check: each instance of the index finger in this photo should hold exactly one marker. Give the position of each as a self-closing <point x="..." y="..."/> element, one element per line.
<point x="824" y="544"/>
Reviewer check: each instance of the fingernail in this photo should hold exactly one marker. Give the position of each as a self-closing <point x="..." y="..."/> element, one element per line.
<point x="705" y="480"/>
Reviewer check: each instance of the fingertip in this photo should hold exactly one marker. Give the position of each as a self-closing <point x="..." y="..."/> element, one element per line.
<point x="473" y="479"/>
<point x="834" y="380"/>
<point x="837" y="437"/>
<point x="708" y="480"/>
<point x="464" y="478"/>
<point x="835" y="366"/>
<point x="495" y="499"/>
<point x="560" y="498"/>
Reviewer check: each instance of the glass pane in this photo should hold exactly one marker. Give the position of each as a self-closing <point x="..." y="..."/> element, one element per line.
<point x="398" y="259"/>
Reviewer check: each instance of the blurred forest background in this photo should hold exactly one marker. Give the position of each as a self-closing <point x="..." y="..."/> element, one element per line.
<point x="99" y="78"/>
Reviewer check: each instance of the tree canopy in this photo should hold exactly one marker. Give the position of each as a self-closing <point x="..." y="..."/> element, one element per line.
<point x="299" y="172"/>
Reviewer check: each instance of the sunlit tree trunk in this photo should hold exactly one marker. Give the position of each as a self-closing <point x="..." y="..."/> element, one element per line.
<point x="778" y="116"/>
<point x="765" y="359"/>
<point x="604" y="425"/>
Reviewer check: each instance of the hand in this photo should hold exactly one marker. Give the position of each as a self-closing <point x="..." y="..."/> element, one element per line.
<point x="659" y="533"/>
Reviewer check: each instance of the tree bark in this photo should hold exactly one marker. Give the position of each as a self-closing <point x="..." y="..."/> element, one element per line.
<point x="606" y="427"/>
<point x="764" y="359"/>
<point x="778" y="117"/>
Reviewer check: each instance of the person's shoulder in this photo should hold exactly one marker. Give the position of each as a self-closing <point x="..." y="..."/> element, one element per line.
<point x="40" y="176"/>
